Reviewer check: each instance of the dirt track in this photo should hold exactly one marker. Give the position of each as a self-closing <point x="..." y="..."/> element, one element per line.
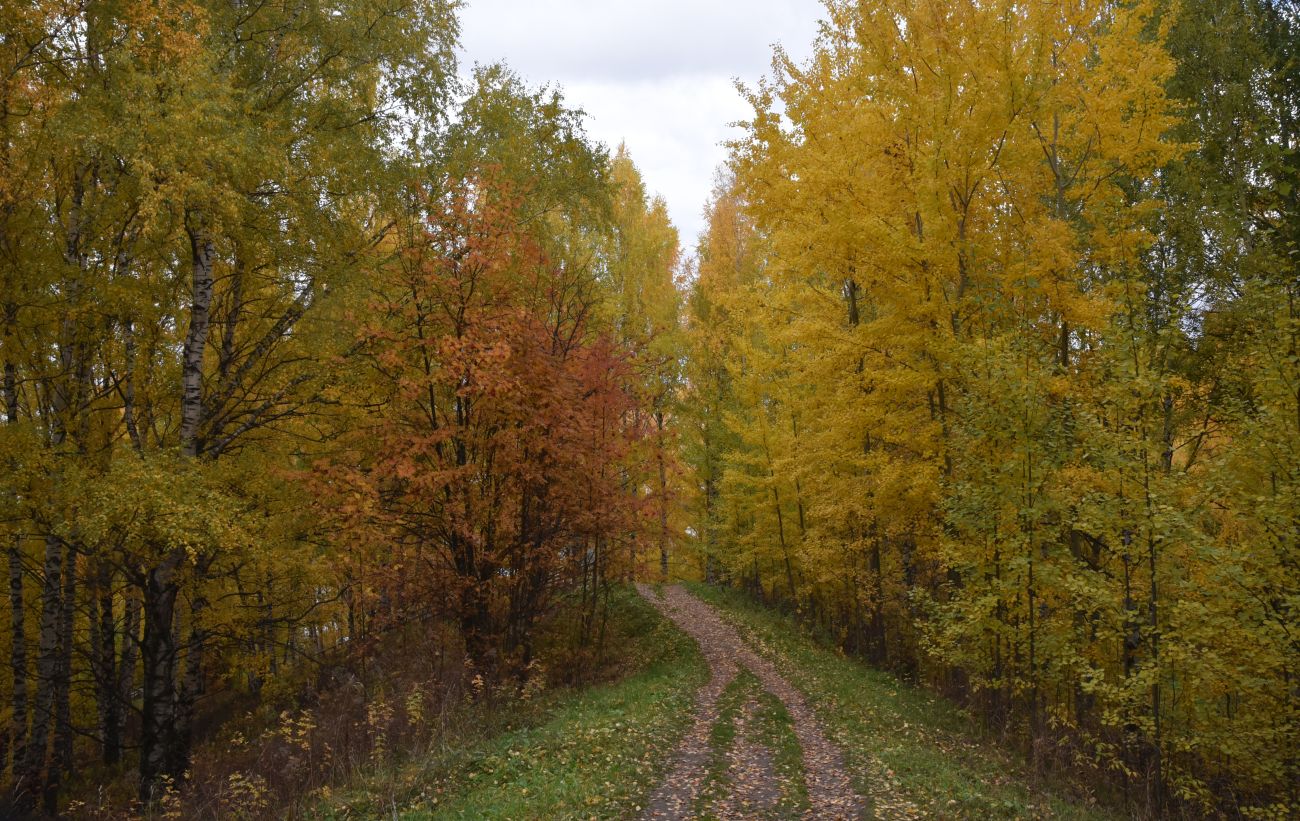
<point x="754" y="792"/>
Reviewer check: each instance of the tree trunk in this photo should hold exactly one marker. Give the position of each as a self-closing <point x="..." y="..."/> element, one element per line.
<point x="104" y="660"/>
<point x="879" y="639"/>
<point x="203" y="251"/>
<point x="192" y="683"/>
<point x="61" y="759"/>
<point x="17" y="656"/>
<point x="126" y="667"/>
<point x="47" y="671"/>
<point x="163" y="744"/>
<point x="10" y="390"/>
<point x="17" y="741"/>
<point x="157" y="738"/>
<point x="65" y="394"/>
<point x="128" y="388"/>
<point x="710" y="563"/>
<point x="663" y="499"/>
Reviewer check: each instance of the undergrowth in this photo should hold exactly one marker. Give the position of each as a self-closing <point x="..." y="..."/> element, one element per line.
<point x="591" y="752"/>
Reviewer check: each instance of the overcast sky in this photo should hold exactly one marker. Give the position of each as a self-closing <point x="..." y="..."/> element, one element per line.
<point x="654" y="74"/>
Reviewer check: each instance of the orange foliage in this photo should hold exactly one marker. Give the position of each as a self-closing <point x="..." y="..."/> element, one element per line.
<point x="496" y="471"/>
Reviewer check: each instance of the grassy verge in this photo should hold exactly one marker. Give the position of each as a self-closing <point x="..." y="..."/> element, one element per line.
<point x="595" y="752"/>
<point x="913" y="753"/>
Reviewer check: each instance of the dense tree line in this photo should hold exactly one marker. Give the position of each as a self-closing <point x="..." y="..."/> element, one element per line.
<point x="993" y="373"/>
<point x="987" y="364"/>
<point x="302" y="342"/>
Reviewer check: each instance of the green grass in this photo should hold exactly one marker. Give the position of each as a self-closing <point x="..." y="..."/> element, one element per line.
<point x="599" y="752"/>
<point x="717" y="781"/>
<point x="776" y="732"/>
<point x="913" y="753"/>
<point x="596" y="752"/>
<point x="773" y="728"/>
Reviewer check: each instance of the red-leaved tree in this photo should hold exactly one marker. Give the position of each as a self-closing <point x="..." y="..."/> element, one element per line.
<point x="496" y="471"/>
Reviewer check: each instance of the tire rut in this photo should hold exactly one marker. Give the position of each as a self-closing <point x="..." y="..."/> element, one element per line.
<point x="756" y="789"/>
<point x="830" y="793"/>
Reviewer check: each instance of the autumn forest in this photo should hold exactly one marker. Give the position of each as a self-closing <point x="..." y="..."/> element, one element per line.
<point x="349" y="394"/>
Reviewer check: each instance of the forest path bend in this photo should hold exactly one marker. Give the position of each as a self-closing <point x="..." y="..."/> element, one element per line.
<point x="830" y="791"/>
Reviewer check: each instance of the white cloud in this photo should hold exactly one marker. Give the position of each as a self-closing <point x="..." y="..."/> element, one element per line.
<point x="657" y="75"/>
